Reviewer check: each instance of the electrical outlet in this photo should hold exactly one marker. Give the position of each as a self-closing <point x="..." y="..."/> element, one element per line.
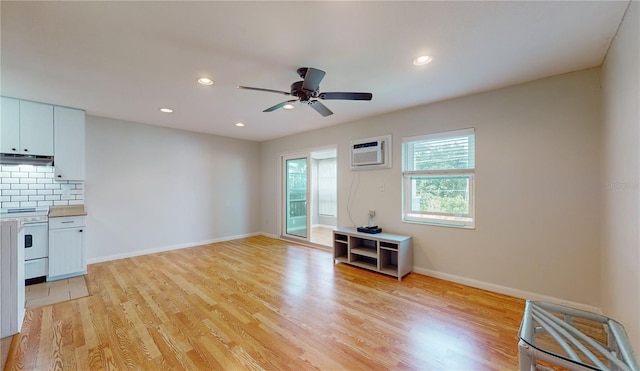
<point x="372" y="213"/>
<point x="66" y="192"/>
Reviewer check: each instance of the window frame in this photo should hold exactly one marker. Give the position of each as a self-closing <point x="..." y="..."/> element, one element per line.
<point x="455" y="220"/>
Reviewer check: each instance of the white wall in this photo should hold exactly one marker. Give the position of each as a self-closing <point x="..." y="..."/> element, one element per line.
<point x="150" y="188"/>
<point x="620" y="256"/>
<point x="537" y="186"/>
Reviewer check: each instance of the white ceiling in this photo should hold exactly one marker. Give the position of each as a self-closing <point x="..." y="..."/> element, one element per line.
<point x="125" y="60"/>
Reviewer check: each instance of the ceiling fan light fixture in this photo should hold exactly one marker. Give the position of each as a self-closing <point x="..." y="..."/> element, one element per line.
<point x="288" y="106"/>
<point x="166" y="110"/>
<point x="422" y="60"/>
<point x="205" y="81"/>
<point x="239" y="124"/>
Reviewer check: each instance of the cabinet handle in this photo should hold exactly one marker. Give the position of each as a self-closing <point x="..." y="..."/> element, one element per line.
<point x="26" y="150"/>
<point x="59" y="176"/>
<point x="13" y="149"/>
<point x="81" y="230"/>
<point x="70" y="221"/>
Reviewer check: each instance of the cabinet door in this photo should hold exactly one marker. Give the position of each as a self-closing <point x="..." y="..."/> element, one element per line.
<point x="10" y="125"/>
<point x="69" y="144"/>
<point x="67" y="251"/>
<point x="36" y="128"/>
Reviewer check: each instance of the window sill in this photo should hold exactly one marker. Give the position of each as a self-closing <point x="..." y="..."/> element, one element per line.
<point x="440" y="224"/>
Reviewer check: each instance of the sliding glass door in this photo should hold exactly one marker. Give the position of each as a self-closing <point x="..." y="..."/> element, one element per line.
<point x="296" y="196"/>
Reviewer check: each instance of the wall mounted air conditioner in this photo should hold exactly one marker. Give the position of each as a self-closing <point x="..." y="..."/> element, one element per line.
<point x="370" y="153"/>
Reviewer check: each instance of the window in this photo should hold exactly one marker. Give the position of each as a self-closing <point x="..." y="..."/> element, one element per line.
<point x="437" y="175"/>
<point x="327" y="184"/>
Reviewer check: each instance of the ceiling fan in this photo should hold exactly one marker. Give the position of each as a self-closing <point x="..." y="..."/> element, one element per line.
<point x="308" y="92"/>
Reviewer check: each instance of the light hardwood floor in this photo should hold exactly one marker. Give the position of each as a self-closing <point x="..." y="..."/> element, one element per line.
<point x="261" y="303"/>
<point x="322" y="236"/>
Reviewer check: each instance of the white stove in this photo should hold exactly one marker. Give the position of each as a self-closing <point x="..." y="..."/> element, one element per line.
<point x="36" y="239"/>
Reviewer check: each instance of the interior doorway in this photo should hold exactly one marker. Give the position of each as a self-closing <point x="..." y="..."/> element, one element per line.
<point x="310" y="210"/>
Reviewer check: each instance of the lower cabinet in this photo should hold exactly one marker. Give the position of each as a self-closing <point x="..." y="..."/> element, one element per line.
<point x="382" y="252"/>
<point x="67" y="247"/>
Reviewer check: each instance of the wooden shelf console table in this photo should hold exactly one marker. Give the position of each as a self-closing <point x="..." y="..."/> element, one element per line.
<point x="385" y="253"/>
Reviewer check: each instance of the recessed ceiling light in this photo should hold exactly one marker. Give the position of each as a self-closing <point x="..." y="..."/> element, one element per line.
<point x="422" y="60"/>
<point x="288" y="106"/>
<point x="166" y="110"/>
<point x="239" y="124"/>
<point x="205" y="81"/>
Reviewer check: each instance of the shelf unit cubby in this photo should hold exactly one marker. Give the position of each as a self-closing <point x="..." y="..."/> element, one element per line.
<point x="385" y="253"/>
<point x="340" y="248"/>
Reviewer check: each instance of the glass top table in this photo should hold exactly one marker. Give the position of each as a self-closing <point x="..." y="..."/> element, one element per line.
<point x="555" y="335"/>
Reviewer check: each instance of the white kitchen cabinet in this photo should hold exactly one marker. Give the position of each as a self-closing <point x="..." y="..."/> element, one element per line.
<point x="67" y="247"/>
<point x="69" y="143"/>
<point x="29" y="130"/>
<point x="10" y="125"/>
<point x="36" y="128"/>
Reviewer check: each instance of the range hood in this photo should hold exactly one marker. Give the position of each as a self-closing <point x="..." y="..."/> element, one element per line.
<point x="18" y="159"/>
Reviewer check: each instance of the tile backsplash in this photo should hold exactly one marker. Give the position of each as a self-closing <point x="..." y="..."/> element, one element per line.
<point x="31" y="186"/>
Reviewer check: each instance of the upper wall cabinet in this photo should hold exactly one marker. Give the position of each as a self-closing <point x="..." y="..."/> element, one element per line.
<point x="69" y="143"/>
<point x="10" y="125"/>
<point x="27" y="127"/>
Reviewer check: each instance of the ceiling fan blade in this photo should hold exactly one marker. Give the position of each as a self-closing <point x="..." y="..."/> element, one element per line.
<point x="312" y="79"/>
<point x="279" y="105"/>
<point x="346" y="96"/>
<point x="321" y="108"/>
<point x="267" y="90"/>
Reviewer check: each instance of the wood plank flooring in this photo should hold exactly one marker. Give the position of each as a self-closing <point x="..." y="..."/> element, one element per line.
<point x="260" y="303"/>
<point x="322" y="236"/>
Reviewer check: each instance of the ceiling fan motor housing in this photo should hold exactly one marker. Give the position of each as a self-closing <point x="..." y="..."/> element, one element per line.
<point x="302" y="72"/>
<point x="304" y="95"/>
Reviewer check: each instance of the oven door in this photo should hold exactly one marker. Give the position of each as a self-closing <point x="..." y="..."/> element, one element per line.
<point x="36" y="241"/>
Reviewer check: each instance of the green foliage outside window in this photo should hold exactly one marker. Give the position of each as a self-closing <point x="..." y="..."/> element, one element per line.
<point x="441" y="195"/>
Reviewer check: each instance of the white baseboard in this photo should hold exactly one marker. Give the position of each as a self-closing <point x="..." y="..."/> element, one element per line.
<point x="167" y="248"/>
<point x="506" y="290"/>
<point x="269" y="235"/>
